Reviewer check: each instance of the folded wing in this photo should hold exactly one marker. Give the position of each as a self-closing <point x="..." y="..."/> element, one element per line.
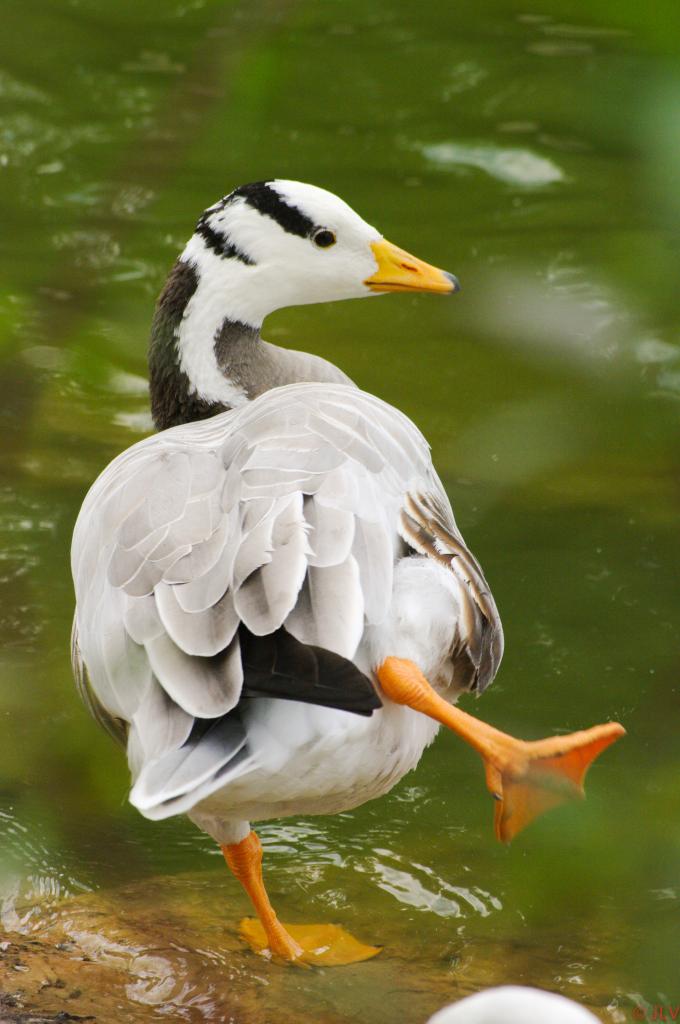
<point x="236" y="557"/>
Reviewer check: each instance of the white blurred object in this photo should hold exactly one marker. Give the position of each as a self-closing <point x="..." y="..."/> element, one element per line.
<point x="514" y="1004"/>
<point x="511" y="165"/>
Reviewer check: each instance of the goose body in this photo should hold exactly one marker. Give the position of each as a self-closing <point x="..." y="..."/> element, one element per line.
<point x="303" y="511"/>
<point x="275" y="607"/>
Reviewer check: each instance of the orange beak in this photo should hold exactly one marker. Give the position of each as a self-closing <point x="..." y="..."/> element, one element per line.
<point x="398" y="271"/>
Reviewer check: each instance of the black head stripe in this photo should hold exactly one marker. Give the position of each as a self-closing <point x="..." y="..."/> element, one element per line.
<point x="220" y="243"/>
<point x="266" y="200"/>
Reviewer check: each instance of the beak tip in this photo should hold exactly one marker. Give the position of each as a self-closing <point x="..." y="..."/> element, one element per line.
<point x="454" y="281"/>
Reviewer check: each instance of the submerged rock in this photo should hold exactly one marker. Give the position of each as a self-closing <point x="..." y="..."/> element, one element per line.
<point x="168" y="948"/>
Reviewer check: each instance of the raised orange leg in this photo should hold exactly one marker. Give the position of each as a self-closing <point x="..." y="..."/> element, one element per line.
<point x="526" y="778"/>
<point x="327" y="945"/>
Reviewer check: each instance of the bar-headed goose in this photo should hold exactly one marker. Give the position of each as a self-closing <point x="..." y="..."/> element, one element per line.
<point x="275" y="607"/>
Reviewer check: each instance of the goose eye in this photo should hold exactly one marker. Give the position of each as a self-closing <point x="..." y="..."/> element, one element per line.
<point x="324" y="238"/>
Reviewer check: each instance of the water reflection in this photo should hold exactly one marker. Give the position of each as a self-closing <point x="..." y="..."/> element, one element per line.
<point x="514" y="166"/>
<point x="30" y="139"/>
<point x="171" y="945"/>
<point x="429" y="891"/>
<point x="33" y="879"/>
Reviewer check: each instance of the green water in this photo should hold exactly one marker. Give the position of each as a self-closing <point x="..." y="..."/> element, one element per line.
<point x="530" y="148"/>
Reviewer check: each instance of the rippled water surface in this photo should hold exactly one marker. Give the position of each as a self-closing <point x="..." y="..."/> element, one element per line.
<point x="531" y="149"/>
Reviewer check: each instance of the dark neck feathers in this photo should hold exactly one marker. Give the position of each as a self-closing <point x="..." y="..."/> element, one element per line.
<point x="173" y="400"/>
<point x="236" y="346"/>
<point x="249" y="365"/>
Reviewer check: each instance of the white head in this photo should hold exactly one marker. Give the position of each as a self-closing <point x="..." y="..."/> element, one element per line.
<point x="281" y="243"/>
<point x="514" y="1004"/>
<point x="264" y="246"/>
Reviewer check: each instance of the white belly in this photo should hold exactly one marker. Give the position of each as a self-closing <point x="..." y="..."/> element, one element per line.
<point x="313" y="760"/>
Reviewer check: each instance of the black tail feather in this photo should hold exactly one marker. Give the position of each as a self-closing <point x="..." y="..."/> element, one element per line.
<point x="280" y="666"/>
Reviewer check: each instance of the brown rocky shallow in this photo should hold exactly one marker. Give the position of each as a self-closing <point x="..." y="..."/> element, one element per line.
<point x="168" y="948"/>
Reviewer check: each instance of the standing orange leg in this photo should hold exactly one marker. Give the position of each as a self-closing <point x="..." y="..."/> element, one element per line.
<point x="245" y="861"/>
<point x="526" y="778"/>
<point x="328" y="945"/>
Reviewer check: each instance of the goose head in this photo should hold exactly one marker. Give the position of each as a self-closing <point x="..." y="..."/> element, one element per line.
<point x="284" y="243"/>
<point x="264" y="246"/>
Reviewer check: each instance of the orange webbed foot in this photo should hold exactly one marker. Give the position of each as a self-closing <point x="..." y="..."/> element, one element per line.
<point x="320" y="945"/>
<point x="526" y="778"/>
<point x="530" y="778"/>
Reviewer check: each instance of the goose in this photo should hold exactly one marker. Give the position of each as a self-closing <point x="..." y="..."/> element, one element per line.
<point x="514" y="1004"/>
<point x="275" y="609"/>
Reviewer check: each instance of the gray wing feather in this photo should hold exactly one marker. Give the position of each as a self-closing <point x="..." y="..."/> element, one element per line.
<point x="203" y="687"/>
<point x="168" y="500"/>
<point x="266" y="597"/>
<point x="116" y="665"/>
<point x="159" y="724"/>
<point x="202" y="633"/>
<point x="255" y="549"/>
<point x="126" y="562"/>
<point x="427" y="525"/>
<point x="331" y="532"/>
<point x="141" y="618"/>
<point x="374" y="550"/>
<point x="187" y="768"/>
<point x="201" y="558"/>
<point x="206" y="590"/>
<point x="330" y="610"/>
<point x="115" y="727"/>
<point x="348" y="438"/>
